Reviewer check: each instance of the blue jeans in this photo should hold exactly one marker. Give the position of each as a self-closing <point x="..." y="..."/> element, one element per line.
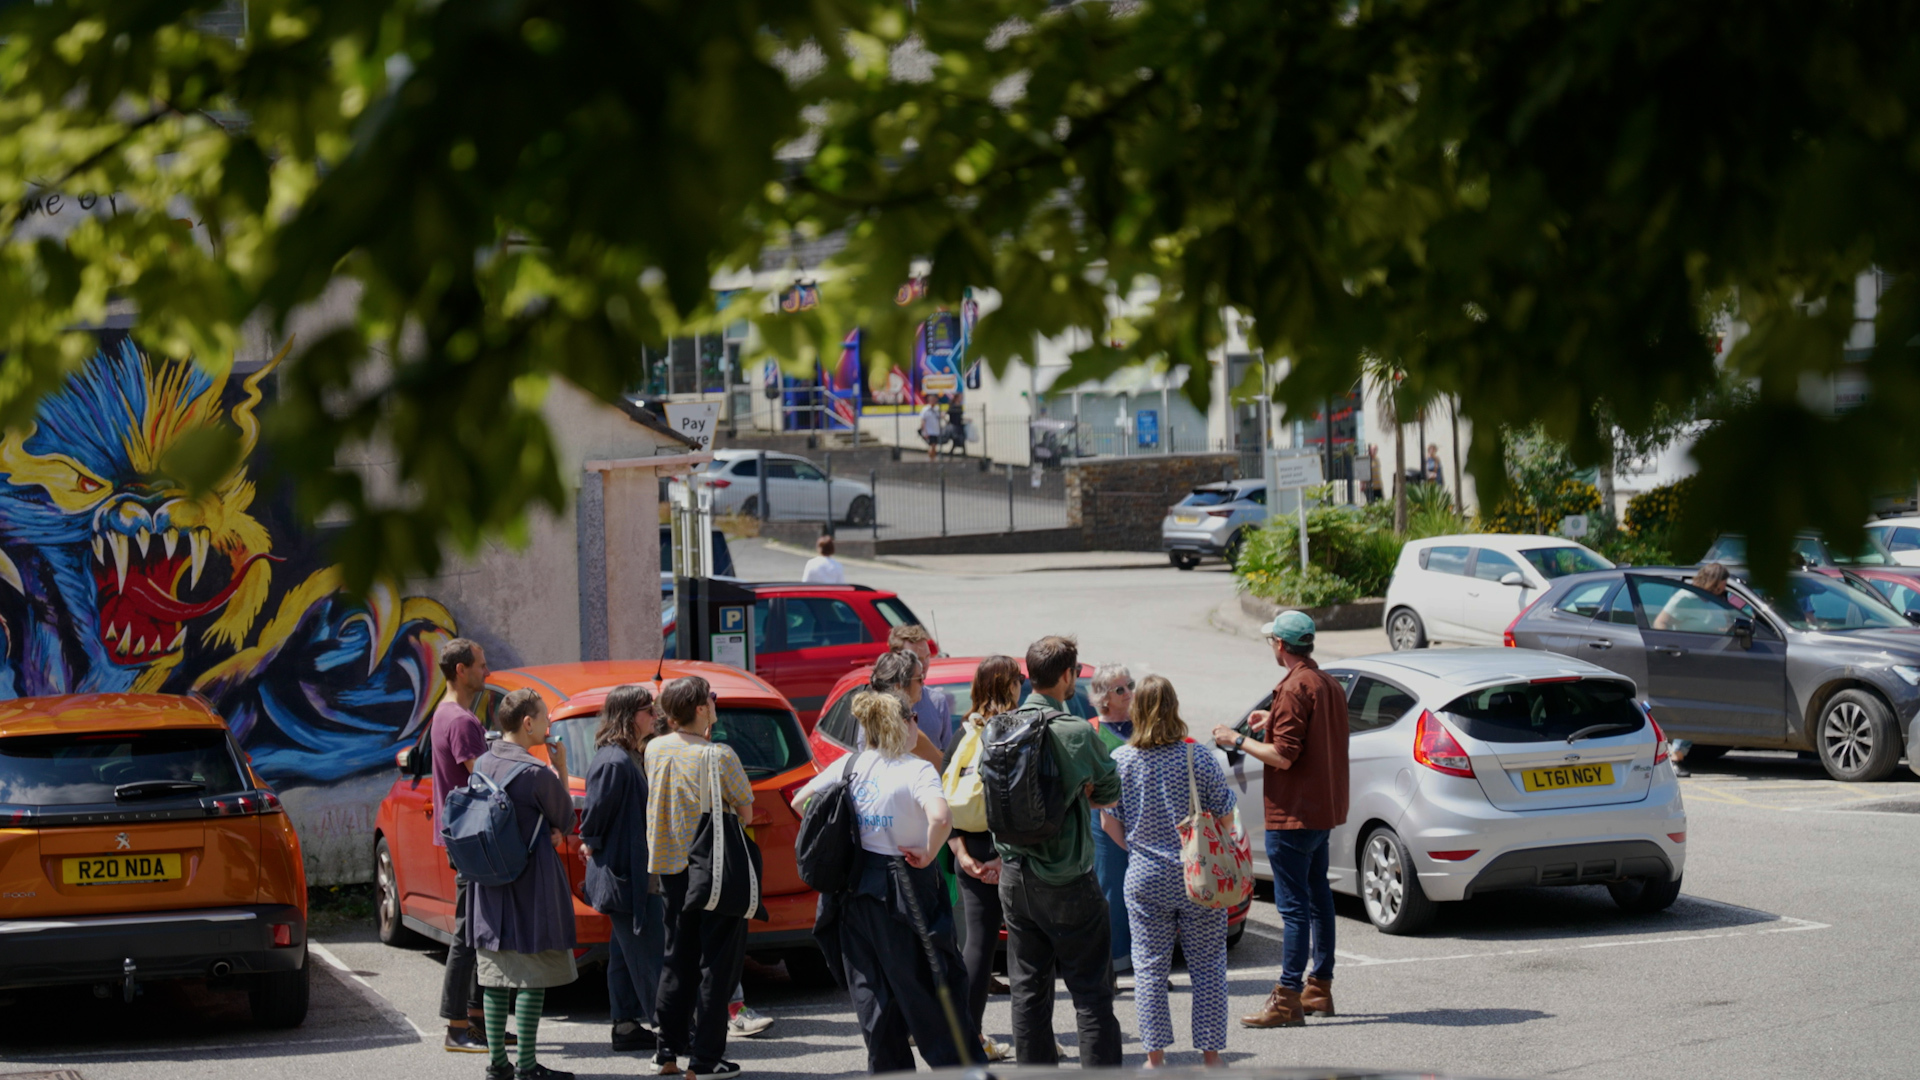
<point x="634" y="958"/>
<point x="1110" y="866"/>
<point x="1305" y="899"/>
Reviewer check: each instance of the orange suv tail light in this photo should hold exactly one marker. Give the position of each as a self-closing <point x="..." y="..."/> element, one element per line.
<point x="252" y="802"/>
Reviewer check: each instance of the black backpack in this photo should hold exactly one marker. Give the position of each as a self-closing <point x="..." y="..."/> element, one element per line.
<point x="1026" y="802"/>
<point x="827" y="847"/>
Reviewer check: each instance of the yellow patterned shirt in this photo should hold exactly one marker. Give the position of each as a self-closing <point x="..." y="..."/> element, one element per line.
<point x="677" y="795"/>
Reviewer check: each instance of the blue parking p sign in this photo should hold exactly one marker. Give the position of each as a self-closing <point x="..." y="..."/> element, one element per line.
<point x="733" y="620"/>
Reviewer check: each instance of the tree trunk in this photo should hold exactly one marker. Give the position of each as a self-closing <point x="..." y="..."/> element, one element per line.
<point x="1459" y="480"/>
<point x="1606" y="491"/>
<point x="1399" y="474"/>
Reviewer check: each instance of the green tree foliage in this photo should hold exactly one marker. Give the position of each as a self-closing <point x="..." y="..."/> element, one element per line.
<point x="1545" y="486"/>
<point x="1531" y="205"/>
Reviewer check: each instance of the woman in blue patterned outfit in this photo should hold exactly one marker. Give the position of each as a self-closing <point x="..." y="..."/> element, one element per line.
<point x="1154" y="798"/>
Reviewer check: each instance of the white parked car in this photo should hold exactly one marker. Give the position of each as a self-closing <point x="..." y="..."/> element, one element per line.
<point x="1899" y="537"/>
<point x="795" y="488"/>
<point x="1474" y="770"/>
<point x="1466" y="590"/>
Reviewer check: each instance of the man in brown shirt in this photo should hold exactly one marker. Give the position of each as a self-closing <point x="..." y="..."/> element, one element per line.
<point x="1305" y="784"/>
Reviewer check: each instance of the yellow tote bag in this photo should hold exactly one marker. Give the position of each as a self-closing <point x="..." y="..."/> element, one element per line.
<point x="966" y="797"/>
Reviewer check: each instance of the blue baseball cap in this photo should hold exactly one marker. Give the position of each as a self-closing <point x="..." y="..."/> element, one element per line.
<point x="1292" y="627"/>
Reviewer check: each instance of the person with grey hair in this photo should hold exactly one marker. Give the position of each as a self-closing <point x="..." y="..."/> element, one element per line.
<point x="1112" y="694"/>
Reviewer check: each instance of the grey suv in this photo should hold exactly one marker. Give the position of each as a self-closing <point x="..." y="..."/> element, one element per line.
<point x="1827" y="667"/>
<point x="1214" y="519"/>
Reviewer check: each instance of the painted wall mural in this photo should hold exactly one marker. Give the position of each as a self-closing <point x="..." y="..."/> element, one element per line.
<point x="116" y="578"/>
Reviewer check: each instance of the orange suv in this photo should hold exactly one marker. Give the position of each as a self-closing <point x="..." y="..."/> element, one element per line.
<point x="137" y="843"/>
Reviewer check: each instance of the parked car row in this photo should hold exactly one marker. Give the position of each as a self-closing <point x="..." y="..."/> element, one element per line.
<point x="792" y="489"/>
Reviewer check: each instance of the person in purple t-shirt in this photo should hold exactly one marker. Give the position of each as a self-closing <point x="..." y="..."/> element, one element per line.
<point x="457" y="740"/>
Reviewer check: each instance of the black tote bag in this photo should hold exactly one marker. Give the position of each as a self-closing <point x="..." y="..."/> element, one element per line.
<point x="723" y="864"/>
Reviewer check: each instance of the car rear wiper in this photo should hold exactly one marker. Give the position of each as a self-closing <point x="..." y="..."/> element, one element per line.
<point x="1600" y="729"/>
<point x="141" y="789"/>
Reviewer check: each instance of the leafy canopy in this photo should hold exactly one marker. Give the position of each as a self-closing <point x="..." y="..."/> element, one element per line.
<point x="1539" y="206"/>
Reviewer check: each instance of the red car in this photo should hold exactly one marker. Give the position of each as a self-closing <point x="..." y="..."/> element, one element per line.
<point x="833" y="736"/>
<point x="415" y="884"/>
<point x="807" y="636"/>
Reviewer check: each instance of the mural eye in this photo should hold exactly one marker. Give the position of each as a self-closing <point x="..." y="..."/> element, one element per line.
<point x="88" y="485"/>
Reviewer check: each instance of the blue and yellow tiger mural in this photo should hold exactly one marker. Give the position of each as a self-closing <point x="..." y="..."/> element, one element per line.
<point x="113" y="576"/>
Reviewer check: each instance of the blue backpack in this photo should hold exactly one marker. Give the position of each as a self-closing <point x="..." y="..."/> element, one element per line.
<point x="482" y="830"/>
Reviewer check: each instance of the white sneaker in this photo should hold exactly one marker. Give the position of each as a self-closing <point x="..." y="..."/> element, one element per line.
<point x="746" y="1023"/>
<point x="994" y="1049"/>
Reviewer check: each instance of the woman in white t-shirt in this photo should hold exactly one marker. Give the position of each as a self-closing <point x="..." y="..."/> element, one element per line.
<point x="903" y="821"/>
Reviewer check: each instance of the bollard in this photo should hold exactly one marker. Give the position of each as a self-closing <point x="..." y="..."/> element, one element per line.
<point x="766" y="513"/>
<point x="873" y="486"/>
<point x="1009" y="496"/>
<point x="943" y="499"/>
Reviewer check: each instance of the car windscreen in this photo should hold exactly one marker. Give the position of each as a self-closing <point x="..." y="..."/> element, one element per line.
<point x="1532" y="712"/>
<point x="769" y="741"/>
<point x="1553" y="562"/>
<point x="1818" y="602"/>
<point x="1209" y="497"/>
<point x="1727" y="549"/>
<point x="117" y="768"/>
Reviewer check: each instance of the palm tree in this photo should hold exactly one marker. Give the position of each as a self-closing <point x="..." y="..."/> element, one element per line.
<point x="1387" y="376"/>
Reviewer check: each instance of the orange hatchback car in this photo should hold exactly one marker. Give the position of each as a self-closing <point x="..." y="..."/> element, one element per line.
<point x="415" y="884"/>
<point x="136" y="844"/>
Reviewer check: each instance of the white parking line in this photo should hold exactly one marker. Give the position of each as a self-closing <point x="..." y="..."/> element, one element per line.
<point x="381" y="1005"/>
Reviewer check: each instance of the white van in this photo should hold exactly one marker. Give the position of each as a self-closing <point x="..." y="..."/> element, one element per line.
<point x="1467" y="589"/>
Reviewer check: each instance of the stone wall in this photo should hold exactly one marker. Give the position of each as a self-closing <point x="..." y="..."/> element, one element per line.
<point x="1117" y="503"/>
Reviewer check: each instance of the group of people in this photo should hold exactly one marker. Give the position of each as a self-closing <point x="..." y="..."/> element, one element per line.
<point x="951" y="430"/>
<point x="1102" y="894"/>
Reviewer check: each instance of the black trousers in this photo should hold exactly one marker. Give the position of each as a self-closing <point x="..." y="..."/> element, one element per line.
<point x="1061" y="927"/>
<point x="460" y="984"/>
<point x="980" y="909"/>
<point x="893" y="989"/>
<point x="704" y="956"/>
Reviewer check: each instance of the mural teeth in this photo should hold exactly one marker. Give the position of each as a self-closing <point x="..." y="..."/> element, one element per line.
<point x="169" y="540"/>
<point x="99" y="548"/>
<point x="119" y="543"/>
<point x="179" y="640"/>
<point x="126" y="641"/>
<point x="112" y="631"/>
<point x="197" y="551"/>
<point x="143" y="542"/>
<point x="140" y="646"/>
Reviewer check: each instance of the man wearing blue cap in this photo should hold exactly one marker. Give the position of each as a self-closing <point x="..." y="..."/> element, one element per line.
<point x="1305" y="784"/>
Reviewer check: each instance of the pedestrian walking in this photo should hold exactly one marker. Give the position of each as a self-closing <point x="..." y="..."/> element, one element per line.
<point x="455" y="742"/>
<point x="1112" y="693"/>
<point x="957" y="425"/>
<point x="934" y="711"/>
<point x="1430" y="469"/>
<point x="1056" y="916"/>
<point x="523" y="931"/>
<point x="931" y="429"/>
<point x="1305" y="788"/>
<point x="996" y="690"/>
<point x="903" y="815"/>
<point x="705" y="951"/>
<point x="1160" y="771"/>
<point x="613" y="837"/>
<point x="823" y="568"/>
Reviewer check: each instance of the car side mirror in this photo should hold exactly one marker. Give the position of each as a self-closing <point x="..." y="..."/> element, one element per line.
<point x="1913" y="616"/>
<point x="1742" y="632"/>
<point x="1512" y="577"/>
<point x="404" y="759"/>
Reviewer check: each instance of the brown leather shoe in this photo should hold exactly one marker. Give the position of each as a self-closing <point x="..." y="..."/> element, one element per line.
<point x="1282" y="1009"/>
<point x="1317" y="997"/>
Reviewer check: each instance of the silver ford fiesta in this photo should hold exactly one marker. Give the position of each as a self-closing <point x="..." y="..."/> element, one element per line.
<point x="1474" y="770"/>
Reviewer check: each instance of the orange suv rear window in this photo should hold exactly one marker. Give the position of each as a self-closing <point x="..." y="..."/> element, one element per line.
<point x="123" y="769"/>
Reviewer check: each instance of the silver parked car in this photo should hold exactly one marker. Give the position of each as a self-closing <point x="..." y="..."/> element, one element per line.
<point x="795" y="489"/>
<point x="1480" y="769"/>
<point x="1214" y="519"/>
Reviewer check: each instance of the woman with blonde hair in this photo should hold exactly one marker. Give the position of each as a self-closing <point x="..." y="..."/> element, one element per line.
<point x="1155" y="767"/>
<point x="1112" y="694"/>
<point x="903" y="821"/>
<point x="996" y="690"/>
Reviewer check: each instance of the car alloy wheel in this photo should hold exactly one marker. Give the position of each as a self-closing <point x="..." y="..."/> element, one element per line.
<point x="387" y="899"/>
<point x="1405" y="632"/>
<point x="1383" y="883"/>
<point x="1848" y="734"/>
<point x="860" y="511"/>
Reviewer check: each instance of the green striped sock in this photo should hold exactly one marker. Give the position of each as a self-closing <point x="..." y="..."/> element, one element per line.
<point x="527" y="1016"/>
<point x="497" y="1000"/>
